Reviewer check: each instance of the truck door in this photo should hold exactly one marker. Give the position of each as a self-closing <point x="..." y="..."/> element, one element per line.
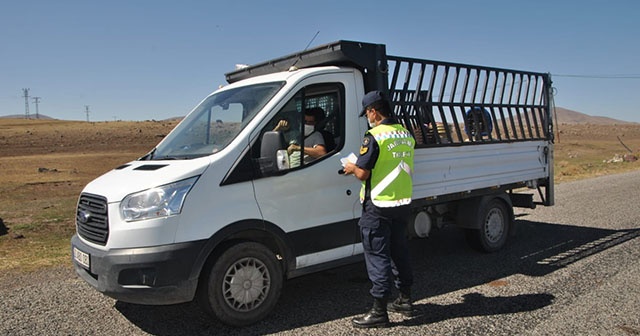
<point x="309" y="200"/>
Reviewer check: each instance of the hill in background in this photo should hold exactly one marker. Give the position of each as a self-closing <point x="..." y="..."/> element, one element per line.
<point x="566" y="116"/>
<point x="21" y="116"/>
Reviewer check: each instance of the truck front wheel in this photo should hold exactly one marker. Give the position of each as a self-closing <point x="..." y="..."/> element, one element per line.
<point x="494" y="223"/>
<point x="243" y="285"/>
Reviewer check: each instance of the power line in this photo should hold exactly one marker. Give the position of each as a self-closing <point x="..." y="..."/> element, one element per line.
<point x="618" y="76"/>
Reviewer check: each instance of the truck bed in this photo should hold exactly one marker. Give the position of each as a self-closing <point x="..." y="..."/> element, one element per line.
<point x="464" y="170"/>
<point x="478" y="129"/>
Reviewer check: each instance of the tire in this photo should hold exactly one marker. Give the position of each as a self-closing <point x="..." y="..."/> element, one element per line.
<point x="243" y="285"/>
<point x="494" y="224"/>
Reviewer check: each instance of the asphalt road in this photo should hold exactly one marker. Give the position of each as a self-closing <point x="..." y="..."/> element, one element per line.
<point x="572" y="269"/>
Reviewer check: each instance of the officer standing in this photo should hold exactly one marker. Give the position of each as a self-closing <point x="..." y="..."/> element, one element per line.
<point x="384" y="166"/>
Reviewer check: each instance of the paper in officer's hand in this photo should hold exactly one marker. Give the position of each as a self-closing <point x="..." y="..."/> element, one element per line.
<point x="349" y="158"/>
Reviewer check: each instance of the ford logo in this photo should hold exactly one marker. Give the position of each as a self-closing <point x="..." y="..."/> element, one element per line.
<point x="83" y="216"/>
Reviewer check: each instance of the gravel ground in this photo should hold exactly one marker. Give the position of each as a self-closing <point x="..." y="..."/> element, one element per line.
<point x="572" y="269"/>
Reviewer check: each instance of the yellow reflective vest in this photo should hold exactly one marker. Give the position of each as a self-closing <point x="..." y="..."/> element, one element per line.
<point x="390" y="178"/>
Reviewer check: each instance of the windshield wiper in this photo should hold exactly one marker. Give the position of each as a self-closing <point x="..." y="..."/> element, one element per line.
<point x="179" y="157"/>
<point x="148" y="156"/>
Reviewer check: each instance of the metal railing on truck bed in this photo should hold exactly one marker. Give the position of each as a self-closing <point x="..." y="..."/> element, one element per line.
<point x="441" y="103"/>
<point x="456" y="104"/>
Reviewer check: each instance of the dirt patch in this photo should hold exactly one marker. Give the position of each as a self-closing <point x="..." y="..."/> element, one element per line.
<point x="20" y="137"/>
<point x="588" y="150"/>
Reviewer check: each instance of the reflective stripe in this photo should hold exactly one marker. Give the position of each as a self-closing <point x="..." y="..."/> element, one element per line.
<point x="391" y="204"/>
<point x="394" y="134"/>
<point x="387" y="180"/>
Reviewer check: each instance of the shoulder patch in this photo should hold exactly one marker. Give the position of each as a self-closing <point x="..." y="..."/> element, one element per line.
<point x="365" y="145"/>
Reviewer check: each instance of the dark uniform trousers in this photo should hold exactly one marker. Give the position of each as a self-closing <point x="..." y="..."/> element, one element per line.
<point x="383" y="234"/>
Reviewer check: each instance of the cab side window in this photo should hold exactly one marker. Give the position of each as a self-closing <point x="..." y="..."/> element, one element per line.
<point x="311" y="124"/>
<point x="308" y="128"/>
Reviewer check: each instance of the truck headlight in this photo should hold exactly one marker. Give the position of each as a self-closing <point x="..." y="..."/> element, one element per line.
<point x="160" y="201"/>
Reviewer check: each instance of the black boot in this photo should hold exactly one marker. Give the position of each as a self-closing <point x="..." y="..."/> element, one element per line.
<point x="402" y="304"/>
<point x="376" y="317"/>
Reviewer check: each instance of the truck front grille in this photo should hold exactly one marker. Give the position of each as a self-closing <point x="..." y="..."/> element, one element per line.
<point x="92" y="219"/>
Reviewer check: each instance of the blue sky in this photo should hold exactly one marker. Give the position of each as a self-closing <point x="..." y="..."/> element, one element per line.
<point x="155" y="59"/>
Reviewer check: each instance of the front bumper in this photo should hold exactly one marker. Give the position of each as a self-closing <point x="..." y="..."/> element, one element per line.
<point x="155" y="275"/>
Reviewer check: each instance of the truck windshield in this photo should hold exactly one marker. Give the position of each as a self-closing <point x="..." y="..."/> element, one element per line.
<point x="215" y="122"/>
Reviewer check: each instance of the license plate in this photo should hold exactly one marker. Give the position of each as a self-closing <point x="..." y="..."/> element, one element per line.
<point x="81" y="258"/>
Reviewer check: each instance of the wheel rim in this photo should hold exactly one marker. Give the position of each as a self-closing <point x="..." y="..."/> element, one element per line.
<point x="494" y="225"/>
<point x="246" y="284"/>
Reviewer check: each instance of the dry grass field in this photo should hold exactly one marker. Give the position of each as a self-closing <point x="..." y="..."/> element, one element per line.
<point x="46" y="163"/>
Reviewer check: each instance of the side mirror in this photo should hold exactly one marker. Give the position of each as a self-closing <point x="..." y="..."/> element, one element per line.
<point x="282" y="159"/>
<point x="273" y="154"/>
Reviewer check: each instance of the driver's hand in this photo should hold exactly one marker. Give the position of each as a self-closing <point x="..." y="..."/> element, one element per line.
<point x="293" y="148"/>
<point x="282" y="125"/>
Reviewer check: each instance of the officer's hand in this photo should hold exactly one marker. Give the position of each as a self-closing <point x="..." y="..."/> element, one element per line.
<point x="349" y="168"/>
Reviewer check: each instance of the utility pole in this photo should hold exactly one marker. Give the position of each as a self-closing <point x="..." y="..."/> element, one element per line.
<point x="37" y="100"/>
<point x="86" y="110"/>
<point x="26" y="102"/>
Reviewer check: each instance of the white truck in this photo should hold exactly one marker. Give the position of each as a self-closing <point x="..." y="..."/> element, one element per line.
<point x="220" y="211"/>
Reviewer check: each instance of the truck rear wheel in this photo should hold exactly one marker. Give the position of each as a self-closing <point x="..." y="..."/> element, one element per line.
<point x="494" y="223"/>
<point x="243" y="285"/>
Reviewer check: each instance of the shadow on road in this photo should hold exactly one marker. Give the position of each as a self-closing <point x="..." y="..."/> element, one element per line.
<point x="442" y="264"/>
<point x="475" y="304"/>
